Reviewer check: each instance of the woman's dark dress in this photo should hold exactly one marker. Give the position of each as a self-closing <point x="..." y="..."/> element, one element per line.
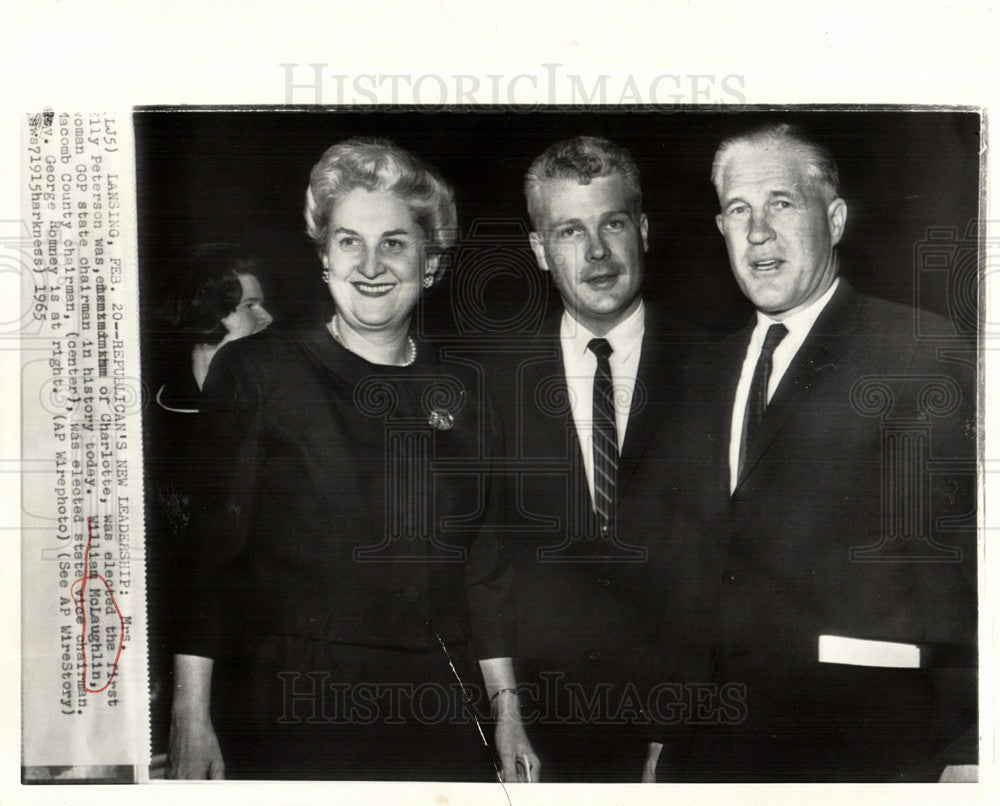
<point x="170" y="460"/>
<point x="348" y="566"/>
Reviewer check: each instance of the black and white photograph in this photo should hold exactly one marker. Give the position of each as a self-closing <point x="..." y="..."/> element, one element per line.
<point x="454" y="403"/>
<point x="567" y="446"/>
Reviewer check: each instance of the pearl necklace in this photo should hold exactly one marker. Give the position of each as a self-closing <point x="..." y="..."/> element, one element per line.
<point x="411" y="347"/>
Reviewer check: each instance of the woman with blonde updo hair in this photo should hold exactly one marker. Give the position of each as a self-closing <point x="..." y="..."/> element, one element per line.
<point x="349" y="573"/>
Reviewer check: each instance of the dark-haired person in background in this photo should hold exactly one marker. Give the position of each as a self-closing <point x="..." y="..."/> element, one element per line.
<point x="824" y="465"/>
<point x="217" y="298"/>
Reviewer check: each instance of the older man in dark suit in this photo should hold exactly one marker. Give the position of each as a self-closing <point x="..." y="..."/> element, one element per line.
<point x="825" y="482"/>
<point x="580" y="404"/>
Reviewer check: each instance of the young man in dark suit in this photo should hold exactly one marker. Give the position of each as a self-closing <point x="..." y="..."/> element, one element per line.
<point x="826" y="480"/>
<point x="586" y="397"/>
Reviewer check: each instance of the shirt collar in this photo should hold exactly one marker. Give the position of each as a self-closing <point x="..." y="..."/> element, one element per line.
<point x="624" y="337"/>
<point x="800" y="322"/>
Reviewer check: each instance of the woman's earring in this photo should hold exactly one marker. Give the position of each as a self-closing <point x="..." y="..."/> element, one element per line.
<point x="326" y="277"/>
<point x="428" y="280"/>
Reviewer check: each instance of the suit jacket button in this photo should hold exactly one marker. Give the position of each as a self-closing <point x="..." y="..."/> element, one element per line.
<point x="411" y="594"/>
<point x="604" y="582"/>
<point x="728" y="577"/>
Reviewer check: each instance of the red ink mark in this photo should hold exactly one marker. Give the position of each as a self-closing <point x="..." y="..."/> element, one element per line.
<point x="82" y="582"/>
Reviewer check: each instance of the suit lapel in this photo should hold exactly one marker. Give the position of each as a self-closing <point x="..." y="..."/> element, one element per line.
<point x="817" y="358"/>
<point x="730" y="366"/>
<point x="547" y="430"/>
<point x="657" y="384"/>
<point x="544" y="413"/>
